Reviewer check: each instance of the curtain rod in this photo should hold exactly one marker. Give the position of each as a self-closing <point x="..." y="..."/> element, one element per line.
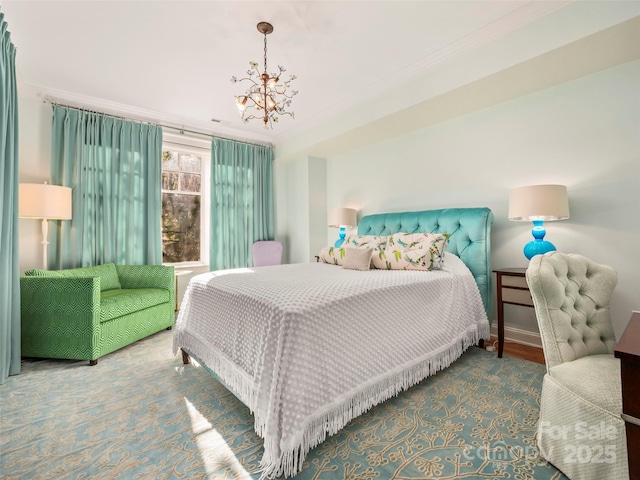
<point x="211" y="135"/>
<point x="178" y="129"/>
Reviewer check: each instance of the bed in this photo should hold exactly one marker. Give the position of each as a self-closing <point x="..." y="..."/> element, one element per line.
<point x="309" y="347"/>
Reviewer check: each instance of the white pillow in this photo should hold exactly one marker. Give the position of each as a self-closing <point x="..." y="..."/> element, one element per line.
<point x="365" y="241"/>
<point x="357" y="258"/>
<point x="409" y="241"/>
<point x="410" y="259"/>
<point x="412" y="251"/>
<point x="376" y="243"/>
<point x="332" y="255"/>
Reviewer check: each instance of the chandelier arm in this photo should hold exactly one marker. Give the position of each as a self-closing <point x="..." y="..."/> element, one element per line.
<point x="254" y="104"/>
<point x="250" y="79"/>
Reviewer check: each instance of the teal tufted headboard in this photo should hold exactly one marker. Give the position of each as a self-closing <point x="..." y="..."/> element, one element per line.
<point x="469" y="230"/>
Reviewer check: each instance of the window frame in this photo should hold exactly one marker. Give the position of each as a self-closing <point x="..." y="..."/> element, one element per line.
<point x="195" y="147"/>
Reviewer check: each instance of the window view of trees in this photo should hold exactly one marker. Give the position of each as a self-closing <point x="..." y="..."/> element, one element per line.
<point x="181" y="207"/>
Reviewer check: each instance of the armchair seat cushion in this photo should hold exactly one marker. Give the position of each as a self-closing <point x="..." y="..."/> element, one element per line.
<point x="595" y="379"/>
<point x="117" y="303"/>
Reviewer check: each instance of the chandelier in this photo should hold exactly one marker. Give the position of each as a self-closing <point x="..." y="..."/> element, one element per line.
<point x="268" y="96"/>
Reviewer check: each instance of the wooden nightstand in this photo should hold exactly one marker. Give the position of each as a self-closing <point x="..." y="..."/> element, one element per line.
<point x="628" y="351"/>
<point x="513" y="289"/>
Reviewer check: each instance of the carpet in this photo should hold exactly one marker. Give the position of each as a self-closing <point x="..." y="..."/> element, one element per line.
<point x="141" y="414"/>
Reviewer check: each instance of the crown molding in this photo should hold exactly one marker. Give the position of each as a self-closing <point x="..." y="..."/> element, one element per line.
<point x="494" y="30"/>
<point x="181" y="124"/>
<point x="498" y="28"/>
<point x="608" y="48"/>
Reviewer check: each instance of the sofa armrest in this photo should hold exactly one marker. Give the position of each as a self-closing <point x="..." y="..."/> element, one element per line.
<point x="61" y="308"/>
<point x="147" y="276"/>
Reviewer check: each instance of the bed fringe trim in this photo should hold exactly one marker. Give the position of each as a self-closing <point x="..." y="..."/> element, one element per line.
<point x="291" y="459"/>
<point x="224" y="370"/>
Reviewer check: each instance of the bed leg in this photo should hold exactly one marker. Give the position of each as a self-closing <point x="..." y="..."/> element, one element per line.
<point x="185" y="358"/>
<point x="481" y="343"/>
<point x="93" y="363"/>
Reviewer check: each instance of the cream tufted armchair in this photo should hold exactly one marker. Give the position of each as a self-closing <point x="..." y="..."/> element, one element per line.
<point x="580" y="430"/>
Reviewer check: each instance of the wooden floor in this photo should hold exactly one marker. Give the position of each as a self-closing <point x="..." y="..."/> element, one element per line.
<point x="518" y="350"/>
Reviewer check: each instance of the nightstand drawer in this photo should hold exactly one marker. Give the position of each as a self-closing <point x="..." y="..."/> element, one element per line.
<point x="511" y="295"/>
<point x="511" y="281"/>
<point x="512" y="289"/>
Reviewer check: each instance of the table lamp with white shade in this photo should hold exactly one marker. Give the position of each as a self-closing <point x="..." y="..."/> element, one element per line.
<point x="538" y="203"/>
<point x="44" y="202"/>
<point x="342" y="218"/>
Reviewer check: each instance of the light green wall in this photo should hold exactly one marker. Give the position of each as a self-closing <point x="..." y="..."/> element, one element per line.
<point x="301" y="207"/>
<point x="34" y="143"/>
<point x="584" y="134"/>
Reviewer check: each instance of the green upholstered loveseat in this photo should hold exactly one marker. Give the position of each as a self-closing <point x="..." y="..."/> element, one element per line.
<point x="85" y="313"/>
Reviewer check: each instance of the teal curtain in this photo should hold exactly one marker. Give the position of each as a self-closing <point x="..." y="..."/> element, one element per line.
<point x="114" y="168"/>
<point x="242" y="206"/>
<point x="9" y="272"/>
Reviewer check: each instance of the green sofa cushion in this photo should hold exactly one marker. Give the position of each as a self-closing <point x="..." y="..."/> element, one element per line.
<point x="116" y="303"/>
<point x="108" y="274"/>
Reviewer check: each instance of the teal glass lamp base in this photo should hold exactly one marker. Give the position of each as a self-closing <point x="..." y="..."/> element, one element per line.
<point x="539" y="246"/>
<point x="342" y="234"/>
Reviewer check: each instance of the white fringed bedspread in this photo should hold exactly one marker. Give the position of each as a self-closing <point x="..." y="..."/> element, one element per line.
<point x="308" y="347"/>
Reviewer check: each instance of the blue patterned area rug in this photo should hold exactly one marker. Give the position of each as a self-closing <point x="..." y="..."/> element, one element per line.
<point x="141" y="414"/>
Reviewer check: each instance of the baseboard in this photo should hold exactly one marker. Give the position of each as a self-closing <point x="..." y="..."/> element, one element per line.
<point x="517" y="335"/>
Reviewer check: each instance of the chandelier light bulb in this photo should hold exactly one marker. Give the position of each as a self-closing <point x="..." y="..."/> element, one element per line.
<point x="241" y="103"/>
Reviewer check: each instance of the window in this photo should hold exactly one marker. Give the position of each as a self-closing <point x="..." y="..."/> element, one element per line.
<point x="184" y="213"/>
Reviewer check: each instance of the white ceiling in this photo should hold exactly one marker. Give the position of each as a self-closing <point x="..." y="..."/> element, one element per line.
<point x="171" y="61"/>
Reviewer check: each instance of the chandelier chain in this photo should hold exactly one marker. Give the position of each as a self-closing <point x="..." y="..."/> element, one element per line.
<point x="265" y="52"/>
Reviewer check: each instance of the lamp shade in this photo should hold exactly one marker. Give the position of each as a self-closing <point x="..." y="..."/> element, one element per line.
<point x="539" y="202"/>
<point x="44" y="201"/>
<point x="342" y="217"/>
